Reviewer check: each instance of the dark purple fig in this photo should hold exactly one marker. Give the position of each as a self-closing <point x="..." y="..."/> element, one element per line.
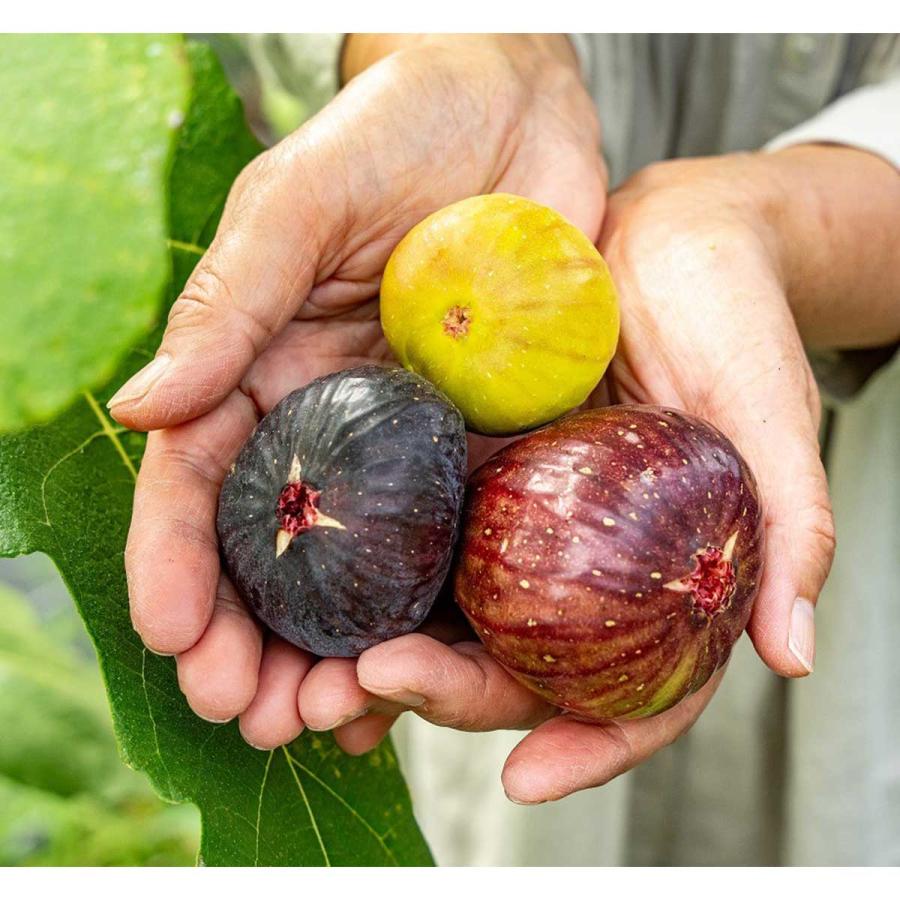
<point x="610" y="561"/>
<point x="339" y="517"/>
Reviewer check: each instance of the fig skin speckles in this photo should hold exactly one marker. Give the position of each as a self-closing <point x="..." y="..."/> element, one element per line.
<point x="338" y="519"/>
<point x="610" y="560"/>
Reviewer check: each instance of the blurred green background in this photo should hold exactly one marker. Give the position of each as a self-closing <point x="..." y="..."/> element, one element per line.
<point x="66" y="798"/>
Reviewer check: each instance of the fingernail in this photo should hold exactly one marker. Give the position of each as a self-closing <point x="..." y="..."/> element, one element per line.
<point x="802" y="637"/>
<point x="211" y="721"/>
<point x="344" y="720"/>
<point x="397" y="695"/>
<point x="137" y="386"/>
<point x="523" y="802"/>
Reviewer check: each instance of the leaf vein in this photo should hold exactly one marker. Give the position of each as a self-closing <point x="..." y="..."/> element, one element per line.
<point x="365" y="822"/>
<point x="89" y="439"/>
<point x="153" y="727"/>
<point x="186" y="247"/>
<point x="262" y="790"/>
<point x="290" y="761"/>
<point x="110" y="432"/>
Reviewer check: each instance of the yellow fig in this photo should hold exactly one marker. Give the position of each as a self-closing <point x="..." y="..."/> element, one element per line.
<point x="505" y="306"/>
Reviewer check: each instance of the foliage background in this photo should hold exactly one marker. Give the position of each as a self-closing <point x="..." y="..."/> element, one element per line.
<point x="65" y="797"/>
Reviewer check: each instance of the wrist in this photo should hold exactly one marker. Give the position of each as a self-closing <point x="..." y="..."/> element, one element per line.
<point x="359" y="51"/>
<point x="833" y="214"/>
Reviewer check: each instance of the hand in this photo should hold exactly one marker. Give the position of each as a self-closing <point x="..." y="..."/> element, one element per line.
<point x="288" y="292"/>
<point x="696" y="251"/>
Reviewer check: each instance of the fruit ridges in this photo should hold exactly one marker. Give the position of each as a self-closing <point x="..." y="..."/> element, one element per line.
<point x="611" y="559"/>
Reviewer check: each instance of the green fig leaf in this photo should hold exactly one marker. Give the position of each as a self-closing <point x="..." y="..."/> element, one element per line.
<point x="214" y="139"/>
<point x="88" y="123"/>
<point x="66" y="490"/>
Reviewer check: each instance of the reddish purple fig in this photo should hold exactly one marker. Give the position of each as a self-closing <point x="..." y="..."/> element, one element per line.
<point x="610" y="560"/>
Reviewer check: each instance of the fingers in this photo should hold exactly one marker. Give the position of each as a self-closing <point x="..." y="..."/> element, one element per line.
<point x="218" y="675"/>
<point x="564" y="755"/>
<point x="172" y="557"/>
<point x="364" y="734"/>
<point x="273" y="717"/>
<point x="777" y="430"/>
<point x="800" y="544"/>
<point x="309" y="349"/>
<point x="331" y="696"/>
<point x="245" y="288"/>
<point x="460" y="686"/>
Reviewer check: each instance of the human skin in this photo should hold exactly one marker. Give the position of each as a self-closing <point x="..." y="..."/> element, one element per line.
<point x="706" y="327"/>
<point x="724" y="266"/>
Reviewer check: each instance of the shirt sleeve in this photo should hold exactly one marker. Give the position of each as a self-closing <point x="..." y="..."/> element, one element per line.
<point x="867" y="118"/>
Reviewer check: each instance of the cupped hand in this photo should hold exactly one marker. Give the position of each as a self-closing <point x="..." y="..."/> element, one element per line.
<point x="288" y="291"/>
<point x="694" y="248"/>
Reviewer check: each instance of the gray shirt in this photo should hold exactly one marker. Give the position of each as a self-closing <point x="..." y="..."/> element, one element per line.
<point x="663" y="96"/>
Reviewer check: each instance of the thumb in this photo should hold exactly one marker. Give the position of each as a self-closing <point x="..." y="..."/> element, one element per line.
<point x="781" y="445"/>
<point x="246" y="287"/>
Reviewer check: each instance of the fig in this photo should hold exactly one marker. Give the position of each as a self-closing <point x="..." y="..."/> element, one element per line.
<point x="505" y="306"/>
<point x="610" y="561"/>
<point x="337" y="521"/>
